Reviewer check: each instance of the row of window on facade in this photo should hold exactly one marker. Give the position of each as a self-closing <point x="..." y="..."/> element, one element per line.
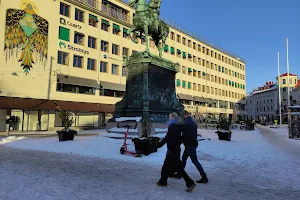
<point x="291" y="81"/>
<point x="209" y="90"/>
<point x="105" y="25"/>
<point x="212" y="78"/>
<point x="107" y="7"/>
<point x="212" y="104"/>
<point x="115" y="49"/>
<point x="261" y="109"/>
<point x="205" y="50"/>
<point x="78" y="61"/>
<point x="62" y="87"/>
<point x="204" y="63"/>
<point x="260" y="101"/>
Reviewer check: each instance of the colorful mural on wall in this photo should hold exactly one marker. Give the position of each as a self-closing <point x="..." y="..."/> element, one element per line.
<point x="26" y="35"/>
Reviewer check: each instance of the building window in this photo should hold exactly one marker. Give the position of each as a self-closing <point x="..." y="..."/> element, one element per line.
<point x="79" y="38"/>
<point x="78" y="15"/>
<point x="64" y="34"/>
<point x="189" y="43"/>
<point x="103" y="66"/>
<point x="115" y="49"/>
<point x="77" y="61"/>
<point x="116" y="29"/>
<point x="104" y="46"/>
<point x="62" y="87"/>
<point x="123" y="71"/>
<point x="184" y="41"/>
<point x="172" y="36"/>
<point x="63" y="58"/>
<point x="178" y="38"/>
<point x="125" y="51"/>
<point x="114" y="69"/>
<point x="283" y="81"/>
<point x="105" y="25"/>
<point x="64" y="10"/>
<point x="93" y="20"/>
<point x="111" y="93"/>
<point x="91" y="64"/>
<point x="92" y="42"/>
<point x="125" y="33"/>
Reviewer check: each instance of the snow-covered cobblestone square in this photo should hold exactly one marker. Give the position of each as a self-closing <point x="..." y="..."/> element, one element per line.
<point x="251" y="166"/>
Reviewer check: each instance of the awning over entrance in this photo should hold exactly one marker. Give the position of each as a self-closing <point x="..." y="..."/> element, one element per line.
<point x="25" y="103"/>
<point x="72" y="80"/>
<point x="201" y="99"/>
<point x="84" y="107"/>
<point x="186" y="97"/>
<point x="42" y="104"/>
<point x="112" y="86"/>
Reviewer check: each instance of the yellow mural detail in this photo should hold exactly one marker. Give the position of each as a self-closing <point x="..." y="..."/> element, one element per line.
<point x="26" y="34"/>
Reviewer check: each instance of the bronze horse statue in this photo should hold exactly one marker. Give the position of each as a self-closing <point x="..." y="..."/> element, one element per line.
<point x="146" y="21"/>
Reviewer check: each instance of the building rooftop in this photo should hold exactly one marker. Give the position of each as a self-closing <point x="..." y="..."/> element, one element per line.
<point x="272" y="87"/>
<point x="286" y="74"/>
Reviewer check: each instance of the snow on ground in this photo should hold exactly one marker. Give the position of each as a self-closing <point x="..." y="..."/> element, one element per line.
<point x="10" y="139"/>
<point x="247" y="167"/>
<point x="283" y="129"/>
<point x="247" y="149"/>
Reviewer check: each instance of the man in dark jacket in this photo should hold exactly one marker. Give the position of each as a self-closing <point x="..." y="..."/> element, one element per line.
<point x="190" y="142"/>
<point x="172" y="161"/>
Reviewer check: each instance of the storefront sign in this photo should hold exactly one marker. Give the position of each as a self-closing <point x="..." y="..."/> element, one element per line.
<point x="65" y="22"/>
<point x="63" y="45"/>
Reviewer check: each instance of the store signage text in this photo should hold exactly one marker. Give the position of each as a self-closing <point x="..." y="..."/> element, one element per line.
<point x="63" y="45"/>
<point x="65" y="22"/>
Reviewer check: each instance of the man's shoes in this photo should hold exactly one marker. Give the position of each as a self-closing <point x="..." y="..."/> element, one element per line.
<point x="191" y="188"/>
<point x="204" y="179"/>
<point x="160" y="184"/>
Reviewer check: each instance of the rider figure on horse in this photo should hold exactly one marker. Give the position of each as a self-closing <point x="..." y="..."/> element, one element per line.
<point x="154" y="6"/>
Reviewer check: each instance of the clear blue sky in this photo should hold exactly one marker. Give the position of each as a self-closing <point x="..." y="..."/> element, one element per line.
<point x="254" y="30"/>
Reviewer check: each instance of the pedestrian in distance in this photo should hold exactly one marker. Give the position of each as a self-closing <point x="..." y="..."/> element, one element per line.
<point x="190" y="142"/>
<point x="172" y="162"/>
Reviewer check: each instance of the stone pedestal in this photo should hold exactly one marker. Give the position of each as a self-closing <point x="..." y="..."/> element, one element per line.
<point x="150" y="87"/>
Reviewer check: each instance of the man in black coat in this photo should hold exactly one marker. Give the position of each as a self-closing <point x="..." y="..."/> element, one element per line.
<point x="190" y="142"/>
<point x="172" y="161"/>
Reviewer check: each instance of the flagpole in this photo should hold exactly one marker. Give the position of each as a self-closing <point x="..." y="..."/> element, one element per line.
<point x="279" y="90"/>
<point x="288" y="70"/>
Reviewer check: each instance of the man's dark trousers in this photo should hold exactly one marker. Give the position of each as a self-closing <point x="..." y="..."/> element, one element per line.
<point x="190" y="151"/>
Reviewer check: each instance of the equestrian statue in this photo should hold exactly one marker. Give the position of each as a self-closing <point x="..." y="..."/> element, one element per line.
<point x="146" y="21"/>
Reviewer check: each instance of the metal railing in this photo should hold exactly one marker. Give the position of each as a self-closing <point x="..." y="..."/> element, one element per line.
<point x="115" y="12"/>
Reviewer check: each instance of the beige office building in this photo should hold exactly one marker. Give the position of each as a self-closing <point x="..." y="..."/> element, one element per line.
<point x="67" y="55"/>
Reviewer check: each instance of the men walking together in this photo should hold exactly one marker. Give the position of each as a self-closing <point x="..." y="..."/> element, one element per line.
<point x="172" y="161"/>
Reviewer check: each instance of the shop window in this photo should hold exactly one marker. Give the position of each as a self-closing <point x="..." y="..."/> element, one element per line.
<point x="63" y="58"/>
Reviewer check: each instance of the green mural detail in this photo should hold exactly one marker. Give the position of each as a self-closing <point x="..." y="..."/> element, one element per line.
<point x="26" y="32"/>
